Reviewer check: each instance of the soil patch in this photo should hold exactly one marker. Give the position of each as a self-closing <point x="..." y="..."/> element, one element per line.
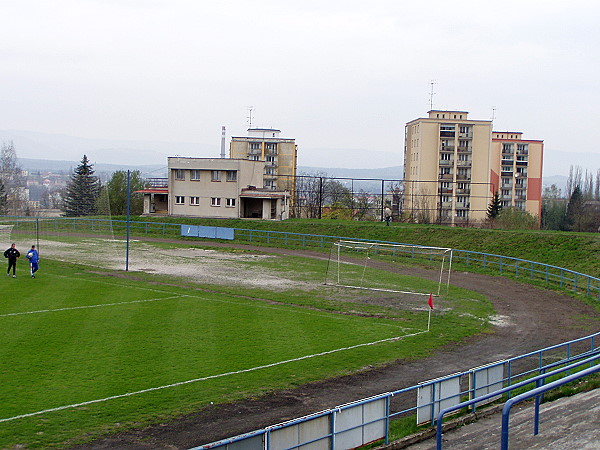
<point x="527" y="318"/>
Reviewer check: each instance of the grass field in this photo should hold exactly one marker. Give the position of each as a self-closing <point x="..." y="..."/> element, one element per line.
<point x="87" y="351"/>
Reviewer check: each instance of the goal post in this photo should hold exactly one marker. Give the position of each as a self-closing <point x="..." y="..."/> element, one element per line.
<point x="362" y="265"/>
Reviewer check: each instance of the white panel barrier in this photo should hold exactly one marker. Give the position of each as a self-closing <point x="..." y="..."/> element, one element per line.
<point x="486" y="379"/>
<point x="435" y="395"/>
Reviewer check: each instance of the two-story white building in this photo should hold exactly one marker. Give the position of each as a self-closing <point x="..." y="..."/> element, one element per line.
<point x="216" y="188"/>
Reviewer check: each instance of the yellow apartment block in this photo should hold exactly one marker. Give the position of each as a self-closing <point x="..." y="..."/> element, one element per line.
<point x="453" y="165"/>
<point x="279" y="155"/>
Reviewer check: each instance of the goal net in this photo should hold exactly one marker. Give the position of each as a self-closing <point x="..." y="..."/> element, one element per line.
<point x="389" y="267"/>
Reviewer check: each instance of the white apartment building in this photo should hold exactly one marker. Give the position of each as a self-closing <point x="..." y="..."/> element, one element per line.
<point x="216" y="188"/>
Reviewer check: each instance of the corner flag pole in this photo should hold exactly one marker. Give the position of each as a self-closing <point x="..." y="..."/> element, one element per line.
<point x="430" y="303"/>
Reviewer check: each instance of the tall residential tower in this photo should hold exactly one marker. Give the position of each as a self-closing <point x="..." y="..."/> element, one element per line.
<point x="453" y="165"/>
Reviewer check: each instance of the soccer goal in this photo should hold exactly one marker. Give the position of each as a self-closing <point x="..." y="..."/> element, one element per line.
<point x="5" y="232"/>
<point x="360" y="265"/>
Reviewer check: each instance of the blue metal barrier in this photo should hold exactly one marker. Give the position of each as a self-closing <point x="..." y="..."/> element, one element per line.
<point x="536" y="393"/>
<point x="441" y="414"/>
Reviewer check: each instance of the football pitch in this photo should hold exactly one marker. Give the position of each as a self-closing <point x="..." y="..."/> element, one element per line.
<point x="88" y="351"/>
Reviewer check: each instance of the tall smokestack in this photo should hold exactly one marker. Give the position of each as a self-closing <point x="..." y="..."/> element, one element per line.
<point x="223" y="142"/>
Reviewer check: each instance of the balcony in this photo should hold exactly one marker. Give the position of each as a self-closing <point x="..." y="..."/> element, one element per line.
<point x="445" y="176"/>
<point x="461" y="205"/>
<point x="507" y="161"/>
<point x="506" y="173"/>
<point x="445" y="190"/>
<point x="464" y="191"/>
<point x="447" y="148"/>
<point x="522" y="163"/>
<point x="445" y="205"/>
<point x="465" y="135"/>
<point x="463" y="163"/>
<point x="463" y="177"/>
<point x="447" y="134"/>
<point x="462" y="149"/>
<point x="446" y="162"/>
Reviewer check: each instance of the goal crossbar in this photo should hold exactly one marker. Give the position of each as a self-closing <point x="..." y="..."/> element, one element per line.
<point x="335" y="267"/>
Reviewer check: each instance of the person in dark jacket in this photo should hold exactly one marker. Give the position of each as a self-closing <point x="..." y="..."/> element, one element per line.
<point x="12" y="254"/>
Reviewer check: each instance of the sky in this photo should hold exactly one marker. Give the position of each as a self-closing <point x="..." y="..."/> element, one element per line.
<point x="341" y="77"/>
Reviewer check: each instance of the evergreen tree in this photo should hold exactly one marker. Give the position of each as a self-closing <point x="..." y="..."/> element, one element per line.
<point x="83" y="190"/>
<point x="575" y="211"/>
<point x="494" y="207"/>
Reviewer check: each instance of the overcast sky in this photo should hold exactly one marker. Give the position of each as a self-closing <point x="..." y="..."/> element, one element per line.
<point x="331" y="74"/>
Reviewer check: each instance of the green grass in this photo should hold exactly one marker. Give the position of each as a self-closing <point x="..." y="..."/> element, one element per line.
<point x="575" y="251"/>
<point x="74" y="335"/>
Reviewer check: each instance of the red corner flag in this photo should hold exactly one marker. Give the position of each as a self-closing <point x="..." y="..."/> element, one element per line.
<point x="430" y="301"/>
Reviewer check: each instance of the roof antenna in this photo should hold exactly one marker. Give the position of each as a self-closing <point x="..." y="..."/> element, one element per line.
<point x="493" y="113"/>
<point x="431" y="94"/>
<point x="250" y="109"/>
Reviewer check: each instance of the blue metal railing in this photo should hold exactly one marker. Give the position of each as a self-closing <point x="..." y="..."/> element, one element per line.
<point x="539" y="378"/>
<point x="588" y="351"/>
<point x="537" y="392"/>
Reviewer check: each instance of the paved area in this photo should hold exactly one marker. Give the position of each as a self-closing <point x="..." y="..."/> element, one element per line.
<point x="567" y="423"/>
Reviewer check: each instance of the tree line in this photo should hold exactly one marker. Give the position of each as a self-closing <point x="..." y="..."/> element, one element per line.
<point x="315" y="196"/>
<point x="84" y="195"/>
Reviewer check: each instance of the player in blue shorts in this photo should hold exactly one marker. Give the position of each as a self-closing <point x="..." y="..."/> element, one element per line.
<point x="34" y="258"/>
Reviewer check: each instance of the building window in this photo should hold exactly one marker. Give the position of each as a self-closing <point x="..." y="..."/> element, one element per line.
<point x="194" y="201"/>
<point x="179" y="174"/>
<point x="254" y="158"/>
<point x="446" y="156"/>
<point x="231" y="175"/>
<point x="461" y="213"/>
<point x="194" y="174"/>
<point x="230" y="202"/>
<point x="271" y="147"/>
<point x="254" y="145"/>
<point x="215" y="175"/>
<point x="215" y="201"/>
<point x="507" y="148"/>
<point x="270" y="159"/>
<point x="179" y="199"/>
<point x="270" y="171"/>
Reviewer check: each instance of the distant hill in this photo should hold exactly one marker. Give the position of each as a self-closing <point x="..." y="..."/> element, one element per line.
<point x="385" y="173"/>
<point x="33" y="165"/>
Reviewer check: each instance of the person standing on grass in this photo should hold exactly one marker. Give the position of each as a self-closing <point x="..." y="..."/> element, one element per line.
<point x="388" y="215"/>
<point x="34" y="258"/>
<point x="12" y="254"/>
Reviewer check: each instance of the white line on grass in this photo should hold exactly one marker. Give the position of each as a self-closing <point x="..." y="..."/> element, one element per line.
<point x="70" y="308"/>
<point x="210" y="377"/>
<point x="246" y="302"/>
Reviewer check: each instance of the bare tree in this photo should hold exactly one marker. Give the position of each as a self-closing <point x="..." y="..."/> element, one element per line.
<point x="13" y="180"/>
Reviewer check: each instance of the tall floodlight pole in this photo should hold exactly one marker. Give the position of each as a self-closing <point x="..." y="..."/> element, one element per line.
<point x="128" y="215"/>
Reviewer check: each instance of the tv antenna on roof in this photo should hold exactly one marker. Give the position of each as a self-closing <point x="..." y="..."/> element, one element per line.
<point x="431" y="94"/>
<point x="493" y="113"/>
<point x="250" y="109"/>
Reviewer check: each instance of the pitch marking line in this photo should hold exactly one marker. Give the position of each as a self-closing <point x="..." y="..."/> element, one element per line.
<point x="295" y="308"/>
<point x="210" y="377"/>
<point x="71" y="308"/>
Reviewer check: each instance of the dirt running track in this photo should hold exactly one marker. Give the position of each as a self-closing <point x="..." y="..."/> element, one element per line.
<point x="533" y="319"/>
